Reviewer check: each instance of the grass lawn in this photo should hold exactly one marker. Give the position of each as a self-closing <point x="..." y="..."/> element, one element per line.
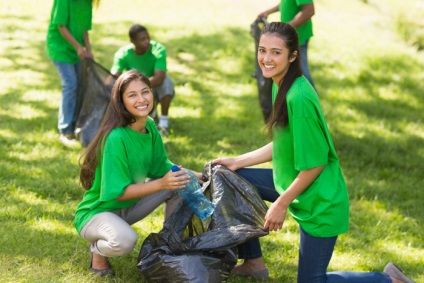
<point x="369" y="79"/>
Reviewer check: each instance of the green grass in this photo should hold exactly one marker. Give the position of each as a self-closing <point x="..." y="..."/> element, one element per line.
<point x="369" y="79"/>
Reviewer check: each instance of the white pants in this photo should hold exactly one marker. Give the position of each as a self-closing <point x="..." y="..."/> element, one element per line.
<point x="110" y="233"/>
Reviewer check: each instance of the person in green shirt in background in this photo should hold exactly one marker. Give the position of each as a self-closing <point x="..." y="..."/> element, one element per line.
<point x="67" y="43"/>
<point x="299" y="14"/>
<point x="306" y="177"/>
<point x="126" y="172"/>
<point x="148" y="57"/>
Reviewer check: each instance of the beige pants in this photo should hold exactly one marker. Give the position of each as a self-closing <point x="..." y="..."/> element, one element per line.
<point x="110" y="233"/>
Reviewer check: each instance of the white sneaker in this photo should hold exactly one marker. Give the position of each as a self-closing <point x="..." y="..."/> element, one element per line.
<point x="68" y="139"/>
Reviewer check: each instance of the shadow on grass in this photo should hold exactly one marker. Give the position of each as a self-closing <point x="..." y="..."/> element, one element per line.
<point x="393" y="150"/>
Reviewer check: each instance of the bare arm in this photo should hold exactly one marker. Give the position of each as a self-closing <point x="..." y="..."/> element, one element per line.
<point x="110" y="80"/>
<point x="261" y="155"/>
<point x="64" y="31"/>
<point x="117" y="74"/>
<point x="304" y="15"/>
<point x="274" y="218"/>
<point x="171" y="181"/>
<point x="266" y="13"/>
<point x="88" y="45"/>
<point x="157" y="78"/>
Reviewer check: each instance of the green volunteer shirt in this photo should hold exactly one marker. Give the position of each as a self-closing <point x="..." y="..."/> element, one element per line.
<point x="147" y="63"/>
<point x="322" y="210"/>
<point x="289" y="9"/>
<point x="76" y="15"/>
<point x="129" y="157"/>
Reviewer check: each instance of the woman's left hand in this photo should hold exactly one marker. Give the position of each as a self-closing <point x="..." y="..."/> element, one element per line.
<point x="275" y="216"/>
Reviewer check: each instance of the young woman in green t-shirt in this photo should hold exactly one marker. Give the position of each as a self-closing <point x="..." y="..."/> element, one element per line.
<point x="126" y="150"/>
<point x="306" y="177"/>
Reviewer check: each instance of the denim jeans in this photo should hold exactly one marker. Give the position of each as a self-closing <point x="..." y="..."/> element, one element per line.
<point x="263" y="180"/>
<point x="314" y="253"/>
<point x="314" y="256"/>
<point x="304" y="61"/>
<point x="69" y="78"/>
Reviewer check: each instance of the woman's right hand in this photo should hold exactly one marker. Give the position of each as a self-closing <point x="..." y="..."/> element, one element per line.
<point x="175" y="180"/>
<point x="230" y="162"/>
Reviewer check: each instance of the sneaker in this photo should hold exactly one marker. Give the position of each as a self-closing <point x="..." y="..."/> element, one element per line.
<point x="68" y="139"/>
<point x="395" y="272"/>
<point x="164" y="131"/>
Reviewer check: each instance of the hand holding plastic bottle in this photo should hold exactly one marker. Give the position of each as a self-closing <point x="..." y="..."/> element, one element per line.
<point x="193" y="195"/>
<point x="174" y="180"/>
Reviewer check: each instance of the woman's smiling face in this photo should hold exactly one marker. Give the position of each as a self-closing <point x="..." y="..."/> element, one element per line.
<point x="273" y="57"/>
<point x="138" y="99"/>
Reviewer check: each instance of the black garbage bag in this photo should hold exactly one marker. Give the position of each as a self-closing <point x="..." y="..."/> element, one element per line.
<point x="188" y="249"/>
<point x="264" y="84"/>
<point x="94" y="91"/>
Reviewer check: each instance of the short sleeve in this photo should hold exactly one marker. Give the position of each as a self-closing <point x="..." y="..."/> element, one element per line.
<point x="161" y="164"/>
<point x="303" y="2"/>
<point x="115" y="171"/>
<point x="310" y="145"/>
<point x="160" y="55"/>
<point x="118" y="62"/>
<point x="60" y="13"/>
<point x="307" y="129"/>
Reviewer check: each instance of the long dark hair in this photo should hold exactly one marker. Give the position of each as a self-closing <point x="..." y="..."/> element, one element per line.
<point x="290" y="37"/>
<point x="116" y="115"/>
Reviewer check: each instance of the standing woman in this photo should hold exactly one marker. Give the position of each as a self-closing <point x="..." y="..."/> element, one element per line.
<point x="67" y="43"/>
<point x="306" y="177"/>
<point x="126" y="150"/>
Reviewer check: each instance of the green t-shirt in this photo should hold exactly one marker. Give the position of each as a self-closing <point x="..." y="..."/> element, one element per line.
<point x="322" y="210"/>
<point x="76" y="15"/>
<point x="147" y="63"/>
<point x="129" y="157"/>
<point x="289" y="9"/>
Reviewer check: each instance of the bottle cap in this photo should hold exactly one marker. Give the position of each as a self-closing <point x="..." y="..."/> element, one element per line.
<point x="175" y="168"/>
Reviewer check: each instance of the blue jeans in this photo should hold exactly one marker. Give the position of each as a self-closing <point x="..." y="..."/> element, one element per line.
<point x="304" y="61"/>
<point x="69" y="78"/>
<point x="314" y="253"/>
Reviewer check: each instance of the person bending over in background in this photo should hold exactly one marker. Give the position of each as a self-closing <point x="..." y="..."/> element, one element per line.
<point x="148" y="57"/>
<point x="297" y="13"/>
<point x="125" y="151"/>
<point x="67" y="43"/>
<point x="306" y="177"/>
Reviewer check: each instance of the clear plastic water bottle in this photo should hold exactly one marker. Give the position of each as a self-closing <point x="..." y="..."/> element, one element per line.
<point x="193" y="195"/>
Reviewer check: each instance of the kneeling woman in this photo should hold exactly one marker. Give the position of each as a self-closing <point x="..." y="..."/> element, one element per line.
<point x="126" y="150"/>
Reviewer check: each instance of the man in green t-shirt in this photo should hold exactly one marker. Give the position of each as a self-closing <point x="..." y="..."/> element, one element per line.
<point x="297" y="13"/>
<point x="149" y="58"/>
